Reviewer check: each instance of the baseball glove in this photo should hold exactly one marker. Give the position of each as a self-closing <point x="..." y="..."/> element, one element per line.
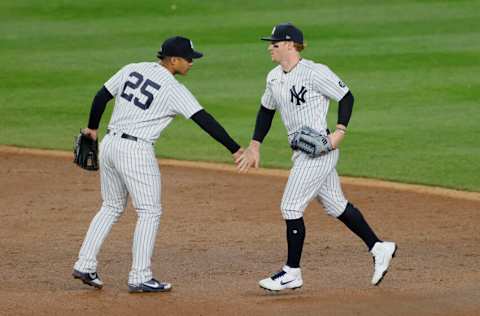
<point x="85" y="152"/>
<point x="311" y="142"/>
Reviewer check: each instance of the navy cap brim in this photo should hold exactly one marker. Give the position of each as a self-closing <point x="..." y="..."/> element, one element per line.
<point x="273" y="39"/>
<point x="196" y="54"/>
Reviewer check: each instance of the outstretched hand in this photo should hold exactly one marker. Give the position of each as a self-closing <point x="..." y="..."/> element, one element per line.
<point x="249" y="158"/>
<point x="237" y="154"/>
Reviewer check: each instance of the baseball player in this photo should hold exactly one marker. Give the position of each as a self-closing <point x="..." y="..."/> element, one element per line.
<point x="147" y="98"/>
<point x="301" y="90"/>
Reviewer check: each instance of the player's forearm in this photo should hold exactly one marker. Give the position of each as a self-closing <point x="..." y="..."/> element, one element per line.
<point x="98" y="107"/>
<point x="215" y="130"/>
<point x="345" y="107"/>
<point x="263" y="123"/>
<point x="337" y="136"/>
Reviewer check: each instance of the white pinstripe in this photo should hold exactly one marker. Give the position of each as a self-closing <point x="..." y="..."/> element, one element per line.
<point x="129" y="167"/>
<point x="309" y="177"/>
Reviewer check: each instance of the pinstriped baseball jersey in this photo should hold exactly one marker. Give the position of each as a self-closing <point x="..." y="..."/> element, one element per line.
<point x="302" y="95"/>
<point x="148" y="97"/>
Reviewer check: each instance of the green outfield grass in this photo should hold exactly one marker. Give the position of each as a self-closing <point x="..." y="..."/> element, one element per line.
<point x="413" y="67"/>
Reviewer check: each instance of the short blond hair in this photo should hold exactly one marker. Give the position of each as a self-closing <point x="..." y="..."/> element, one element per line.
<point x="299" y="47"/>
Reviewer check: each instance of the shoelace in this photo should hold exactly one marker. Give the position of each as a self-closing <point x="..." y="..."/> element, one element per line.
<point x="278" y="274"/>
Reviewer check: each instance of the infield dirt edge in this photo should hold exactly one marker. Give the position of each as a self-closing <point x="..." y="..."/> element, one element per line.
<point x="474" y="196"/>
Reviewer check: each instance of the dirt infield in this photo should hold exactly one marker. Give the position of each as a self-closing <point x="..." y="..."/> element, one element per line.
<point x="219" y="234"/>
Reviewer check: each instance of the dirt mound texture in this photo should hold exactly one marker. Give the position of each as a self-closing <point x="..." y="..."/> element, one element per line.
<point x="219" y="234"/>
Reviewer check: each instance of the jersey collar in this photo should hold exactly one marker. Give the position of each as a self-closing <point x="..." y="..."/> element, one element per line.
<point x="293" y="68"/>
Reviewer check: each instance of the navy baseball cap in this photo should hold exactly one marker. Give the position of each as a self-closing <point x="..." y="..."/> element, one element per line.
<point x="285" y="32"/>
<point x="178" y="46"/>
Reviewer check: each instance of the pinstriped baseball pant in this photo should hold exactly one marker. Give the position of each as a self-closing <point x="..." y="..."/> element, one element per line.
<point x="126" y="168"/>
<point x="313" y="178"/>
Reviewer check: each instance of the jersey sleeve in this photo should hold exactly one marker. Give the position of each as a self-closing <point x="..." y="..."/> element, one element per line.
<point x="113" y="84"/>
<point x="268" y="100"/>
<point x="182" y="101"/>
<point x="329" y="84"/>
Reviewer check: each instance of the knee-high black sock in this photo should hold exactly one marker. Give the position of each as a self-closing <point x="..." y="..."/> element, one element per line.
<point x="357" y="224"/>
<point x="295" y="238"/>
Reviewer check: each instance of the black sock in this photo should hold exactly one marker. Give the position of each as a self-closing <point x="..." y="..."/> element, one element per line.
<point x="357" y="224"/>
<point x="295" y="238"/>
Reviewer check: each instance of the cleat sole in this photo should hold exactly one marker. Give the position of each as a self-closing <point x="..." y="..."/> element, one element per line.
<point x="278" y="291"/>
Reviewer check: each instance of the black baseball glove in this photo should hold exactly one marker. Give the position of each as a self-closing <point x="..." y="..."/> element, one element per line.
<point x="311" y="142"/>
<point x="85" y="152"/>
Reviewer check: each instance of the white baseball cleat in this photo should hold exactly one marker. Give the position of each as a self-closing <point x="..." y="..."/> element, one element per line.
<point x="382" y="252"/>
<point x="287" y="278"/>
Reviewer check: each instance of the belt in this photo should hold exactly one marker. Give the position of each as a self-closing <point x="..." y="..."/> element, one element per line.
<point x="327" y="131"/>
<point x="126" y="136"/>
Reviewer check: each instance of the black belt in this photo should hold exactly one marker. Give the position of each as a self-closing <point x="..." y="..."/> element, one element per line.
<point x="126" y="136"/>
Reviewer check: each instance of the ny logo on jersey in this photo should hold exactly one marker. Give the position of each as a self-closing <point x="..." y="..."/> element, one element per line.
<point x="299" y="96"/>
